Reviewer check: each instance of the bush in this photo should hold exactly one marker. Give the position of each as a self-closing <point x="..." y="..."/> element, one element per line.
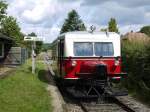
<point x="136" y="62"/>
<point x="146" y="30"/>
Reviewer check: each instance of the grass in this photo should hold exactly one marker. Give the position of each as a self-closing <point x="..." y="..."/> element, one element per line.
<point x="25" y="92"/>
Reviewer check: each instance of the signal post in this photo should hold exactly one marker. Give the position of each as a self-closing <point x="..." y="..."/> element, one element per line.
<point x="33" y="39"/>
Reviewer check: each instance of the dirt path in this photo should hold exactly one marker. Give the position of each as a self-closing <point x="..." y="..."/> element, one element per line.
<point x="57" y="100"/>
<point x="5" y="71"/>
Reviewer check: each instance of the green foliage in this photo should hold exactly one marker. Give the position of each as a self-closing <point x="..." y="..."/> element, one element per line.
<point x="23" y="91"/>
<point x="38" y="47"/>
<point x="73" y="23"/>
<point x="32" y="34"/>
<point x="103" y="29"/>
<point x="46" y="46"/>
<point x="146" y="30"/>
<point x="136" y="61"/>
<point x="112" y="25"/>
<point x="3" y="8"/>
<point x="10" y="27"/>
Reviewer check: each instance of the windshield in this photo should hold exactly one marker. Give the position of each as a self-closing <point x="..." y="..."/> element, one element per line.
<point x="83" y="49"/>
<point x="103" y="49"/>
<point x="99" y="49"/>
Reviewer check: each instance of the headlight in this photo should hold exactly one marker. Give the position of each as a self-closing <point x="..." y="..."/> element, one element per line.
<point x="116" y="62"/>
<point x="74" y="63"/>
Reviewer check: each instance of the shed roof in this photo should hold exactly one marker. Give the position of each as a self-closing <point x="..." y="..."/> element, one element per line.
<point x="5" y="38"/>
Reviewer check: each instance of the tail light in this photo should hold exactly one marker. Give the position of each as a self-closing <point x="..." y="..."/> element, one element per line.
<point x="74" y="63"/>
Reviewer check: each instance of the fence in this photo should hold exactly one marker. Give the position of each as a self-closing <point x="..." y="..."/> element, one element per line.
<point x="16" y="56"/>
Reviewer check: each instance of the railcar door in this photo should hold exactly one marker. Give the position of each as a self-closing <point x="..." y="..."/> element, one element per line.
<point x="60" y="55"/>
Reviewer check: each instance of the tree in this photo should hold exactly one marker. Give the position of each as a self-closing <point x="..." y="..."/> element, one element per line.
<point x="112" y="25"/>
<point x="73" y="23"/>
<point x="146" y="30"/>
<point x="103" y="29"/>
<point x="32" y="34"/>
<point x="46" y="47"/>
<point x="3" y="8"/>
<point x="10" y="27"/>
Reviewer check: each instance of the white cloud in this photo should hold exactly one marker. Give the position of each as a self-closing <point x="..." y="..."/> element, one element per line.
<point x="44" y="17"/>
<point x="128" y="28"/>
<point x="147" y="14"/>
<point x="41" y="10"/>
<point x="126" y="3"/>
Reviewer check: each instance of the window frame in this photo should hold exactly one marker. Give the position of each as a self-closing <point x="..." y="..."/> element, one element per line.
<point x="1" y="56"/>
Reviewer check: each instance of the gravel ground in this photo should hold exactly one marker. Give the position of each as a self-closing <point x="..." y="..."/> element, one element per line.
<point x="134" y="104"/>
<point x="73" y="108"/>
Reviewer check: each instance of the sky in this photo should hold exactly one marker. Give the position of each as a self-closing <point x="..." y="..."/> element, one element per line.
<point x="45" y="17"/>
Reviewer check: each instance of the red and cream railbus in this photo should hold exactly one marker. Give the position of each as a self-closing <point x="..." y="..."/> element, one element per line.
<point x="84" y="55"/>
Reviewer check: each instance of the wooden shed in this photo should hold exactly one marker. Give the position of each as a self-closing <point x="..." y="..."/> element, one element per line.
<point x="5" y="46"/>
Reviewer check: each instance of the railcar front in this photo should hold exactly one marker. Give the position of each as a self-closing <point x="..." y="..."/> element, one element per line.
<point x="89" y="56"/>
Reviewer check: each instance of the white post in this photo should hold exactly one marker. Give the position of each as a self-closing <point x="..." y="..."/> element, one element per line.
<point x="33" y="57"/>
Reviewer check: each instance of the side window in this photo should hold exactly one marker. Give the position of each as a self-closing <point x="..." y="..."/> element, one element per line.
<point x="1" y="50"/>
<point x="58" y="49"/>
<point x="61" y="48"/>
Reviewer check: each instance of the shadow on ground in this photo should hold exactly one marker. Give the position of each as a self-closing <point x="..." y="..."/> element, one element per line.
<point x="45" y="77"/>
<point x="30" y="68"/>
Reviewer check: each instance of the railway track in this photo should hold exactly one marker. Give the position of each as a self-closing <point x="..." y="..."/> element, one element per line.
<point x="126" y="105"/>
<point x="83" y="106"/>
<point x="111" y="105"/>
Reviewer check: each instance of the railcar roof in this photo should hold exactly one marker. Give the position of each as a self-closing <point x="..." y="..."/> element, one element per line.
<point x="87" y="33"/>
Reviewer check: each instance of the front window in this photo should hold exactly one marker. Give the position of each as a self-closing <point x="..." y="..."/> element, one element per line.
<point x="83" y="49"/>
<point x="103" y="49"/>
